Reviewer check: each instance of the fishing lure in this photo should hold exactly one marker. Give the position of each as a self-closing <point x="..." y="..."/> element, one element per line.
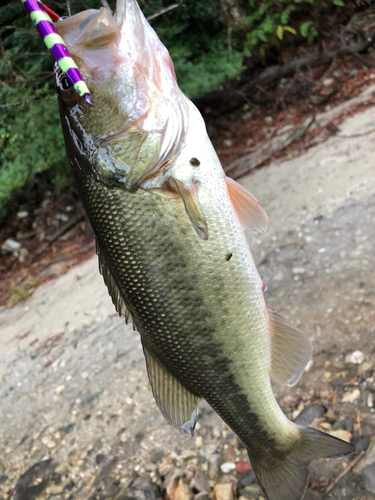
<point x="44" y="24"/>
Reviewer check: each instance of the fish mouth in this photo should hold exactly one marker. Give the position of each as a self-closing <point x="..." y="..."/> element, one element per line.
<point x="101" y="41"/>
<point x="130" y="75"/>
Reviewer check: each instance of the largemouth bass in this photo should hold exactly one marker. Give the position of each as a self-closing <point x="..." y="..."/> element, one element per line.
<point x="172" y="250"/>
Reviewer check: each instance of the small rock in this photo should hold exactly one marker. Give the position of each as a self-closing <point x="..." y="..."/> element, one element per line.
<point x="308" y="414"/>
<point x="47" y="441"/>
<point x="22" y="254"/>
<point x="178" y="490"/>
<point x="227" y="143"/>
<point x="370" y="400"/>
<point x="325" y="425"/>
<point x="214" y="465"/>
<point x="223" y="491"/>
<point x="22" y="214"/>
<point x="62" y="217"/>
<point x="201" y="482"/>
<point x="351" y="73"/>
<point x="252" y="489"/>
<point x="327" y="82"/>
<point x="356" y="358"/>
<point x="268" y="120"/>
<point x="227" y="467"/>
<point x="298" y="270"/>
<point x="361" y="443"/>
<point x="246" y="116"/>
<point x="342" y="434"/>
<point x="242" y="467"/>
<point x="10" y="245"/>
<point x="187" y="455"/>
<point x="365" y="367"/>
<point x="69" y="428"/>
<point x="249" y="141"/>
<point x="351" y="396"/>
<point x="59" y="389"/>
<point x="245" y="479"/>
<point x="368" y="459"/>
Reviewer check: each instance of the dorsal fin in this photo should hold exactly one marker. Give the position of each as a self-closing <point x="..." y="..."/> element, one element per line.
<point x="189" y="195"/>
<point x="290" y="350"/>
<point x="177" y="404"/>
<point x="246" y="206"/>
<point x="113" y="290"/>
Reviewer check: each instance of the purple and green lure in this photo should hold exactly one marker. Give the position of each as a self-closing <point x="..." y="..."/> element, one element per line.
<point x="57" y="47"/>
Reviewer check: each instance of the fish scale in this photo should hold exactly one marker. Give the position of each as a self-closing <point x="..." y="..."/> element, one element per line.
<point x="162" y="274"/>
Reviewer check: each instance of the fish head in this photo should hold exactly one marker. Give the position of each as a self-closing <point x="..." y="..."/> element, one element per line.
<point x="138" y="122"/>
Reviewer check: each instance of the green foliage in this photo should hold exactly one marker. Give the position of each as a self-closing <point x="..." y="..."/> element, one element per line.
<point x="269" y="20"/>
<point x="206" y="42"/>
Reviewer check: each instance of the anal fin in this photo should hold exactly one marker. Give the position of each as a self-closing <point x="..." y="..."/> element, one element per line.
<point x="177" y="404"/>
<point x="113" y="289"/>
<point x="290" y="350"/>
<point x="246" y="206"/>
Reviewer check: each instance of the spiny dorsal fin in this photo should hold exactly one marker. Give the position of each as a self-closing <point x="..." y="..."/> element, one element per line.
<point x="113" y="290"/>
<point x="290" y="350"/>
<point x="177" y="404"/>
<point x="246" y="206"/>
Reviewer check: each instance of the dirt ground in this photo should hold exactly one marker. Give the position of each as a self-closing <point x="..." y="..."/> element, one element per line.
<point x="77" y="417"/>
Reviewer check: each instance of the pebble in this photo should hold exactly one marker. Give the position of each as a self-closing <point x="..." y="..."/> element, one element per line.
<point x="351" y="396"/>
<point x="308" y="414"/>
<point x="370" y="400"/>
<point x="268" y="120"/>
<point x="327" y="82"/>
<point x="22" y="254"/>
<point x="355" y="358"/>
<point x="227" y="143"/>
<point x="59" y="389"/>
<point x="227" y="467"/>
<point x="342" y="434"/>
<point x="361" y="443"/>
<point x="178" y="490"/>
<point x="10" y="245"/>
<point x="22" y="214"/>
<point x="242" y="467"/>
<point x="246" y="116"/>
<point x="351" y="73"/>
<point x="223" y="491"/>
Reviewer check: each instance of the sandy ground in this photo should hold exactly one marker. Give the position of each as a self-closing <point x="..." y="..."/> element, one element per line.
<point x="76" y="406"/>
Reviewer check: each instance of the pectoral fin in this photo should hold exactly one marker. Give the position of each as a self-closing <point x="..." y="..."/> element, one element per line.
<point x="290" y="351"/>
<point x="189" y="195"/>
<point x="177" y="404"/>
<point x="246" y="206"/>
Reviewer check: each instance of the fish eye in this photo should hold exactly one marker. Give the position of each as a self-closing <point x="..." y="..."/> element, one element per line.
<point x="65" y="84"/>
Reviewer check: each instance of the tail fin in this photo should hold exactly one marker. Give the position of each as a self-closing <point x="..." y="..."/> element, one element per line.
<point x="288" y="481"/>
